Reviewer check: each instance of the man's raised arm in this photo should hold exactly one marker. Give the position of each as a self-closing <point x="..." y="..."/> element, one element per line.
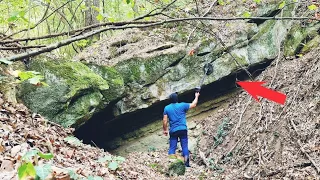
<point x="195" y="101"/>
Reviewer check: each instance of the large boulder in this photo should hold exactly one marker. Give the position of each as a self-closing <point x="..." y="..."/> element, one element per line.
<point x="74" y="92"/>
<point x="153" y="66"/>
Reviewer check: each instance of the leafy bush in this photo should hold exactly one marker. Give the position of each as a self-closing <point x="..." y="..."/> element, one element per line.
<point x="177" y="168"/>
<point x="112" y="162"/>
<point x="32" y="77"/>
<point x="221" y="133"/>
<point x="214" y="166"/>
<point x="27" y="169"/>
<point x="72" y="140"/>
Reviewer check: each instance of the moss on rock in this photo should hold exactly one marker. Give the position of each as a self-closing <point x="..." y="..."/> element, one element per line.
<point x="114" y="80"/>
<point x="298" y="36"/>
<point x="177" y="168"/>
<point x="74" y="92"/>
<point x="314" y="43"/>
<point x="147" y="70"/>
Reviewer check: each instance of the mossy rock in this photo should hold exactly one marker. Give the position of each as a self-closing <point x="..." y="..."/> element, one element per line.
<point x="114" y="80"/>
<point x="312" y="44"/>
<point x="74" y="92"/>
<point x="298" y="36"/>
<point x="176" y="168"/>
<point x="147" y="70"/>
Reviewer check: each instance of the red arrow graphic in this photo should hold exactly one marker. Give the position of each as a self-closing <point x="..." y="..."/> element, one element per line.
<point x="255" y="89"/>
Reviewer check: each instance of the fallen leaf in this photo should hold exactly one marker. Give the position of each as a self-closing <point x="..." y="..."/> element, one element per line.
<point x="191" y="53"/>
<point x="1" y="148"/>
<point x="6" y="166"/>
<point x="317" y="148"/>
<point x="15" y="150"/>
<point x="70" y="153"/>
<point x="62" y="177"/>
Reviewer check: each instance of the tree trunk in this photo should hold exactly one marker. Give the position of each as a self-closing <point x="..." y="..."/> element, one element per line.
<point x="91" y="13"/>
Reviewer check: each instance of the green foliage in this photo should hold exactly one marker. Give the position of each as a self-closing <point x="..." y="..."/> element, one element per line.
<point x="113" y="162"/>
<point x="104" y="159"/>
<point x="312" y="7"/>
<point x="73" y="175"/>
<point x="26" y="170"/>
<point x="246" y="14"/>
<point x="82" y="43"/>
<point x="221" y="133"/>
<point x="177" y="168"/>
<point x="45" y="156"/>
<point x="113" y="165"/>
<point x="17" y="15"/>
<point x="257" y="1"/>
<point x="282" y="4"/>
<point x="32" y="77"/>
<point x="30" y="154"/>
<point x="154" y="165"/>
<point x="119" y="159"/>
<point x="95" y="178"/>
<point x="33" y="152"/>
<point x="227" y="158"/>
<point x="221" y="2"/>
<point x="22" y="14"/>
<point x="214" y="166"/>
<point x="43" y="171"/>
<point x="152" y="149"/>
<point x="73" y="140"/>
<point x="157" y="167"/>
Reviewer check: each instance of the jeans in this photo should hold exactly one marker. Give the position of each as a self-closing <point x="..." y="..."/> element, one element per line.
<point x="183" y="137"/>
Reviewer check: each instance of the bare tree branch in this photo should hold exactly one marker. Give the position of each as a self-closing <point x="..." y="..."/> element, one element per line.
<point x="94" y="32"/>
<point x="21" y="47"/>
<point x="39" y="22"/>
<point x="157" y="23"/>
<point x="77" y="30"/>
<point x="155" y="14"/>
<point x="74" y="13"/>
<point x="205" y="14"/>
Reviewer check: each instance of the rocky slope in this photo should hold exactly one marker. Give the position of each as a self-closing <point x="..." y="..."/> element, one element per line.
<point x="266" y="140"/>
<point x="21" y="132"/>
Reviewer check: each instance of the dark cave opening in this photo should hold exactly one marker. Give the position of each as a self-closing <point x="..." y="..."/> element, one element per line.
<point x="104" y="127"/>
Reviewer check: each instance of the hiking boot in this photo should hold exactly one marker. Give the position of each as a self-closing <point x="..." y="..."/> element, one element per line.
<point x="186" y="161"/>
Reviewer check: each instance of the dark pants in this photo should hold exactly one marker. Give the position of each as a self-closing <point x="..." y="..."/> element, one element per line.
<point x="183" y="137"/>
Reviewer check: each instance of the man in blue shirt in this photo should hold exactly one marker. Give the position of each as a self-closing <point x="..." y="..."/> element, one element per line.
<point x="176" y="112"/>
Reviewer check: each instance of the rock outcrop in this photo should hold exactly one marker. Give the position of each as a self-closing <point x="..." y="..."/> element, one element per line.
<point x="74" y="92"/>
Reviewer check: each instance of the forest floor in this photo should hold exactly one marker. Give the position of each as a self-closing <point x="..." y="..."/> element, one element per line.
<point x="242" y="140"/>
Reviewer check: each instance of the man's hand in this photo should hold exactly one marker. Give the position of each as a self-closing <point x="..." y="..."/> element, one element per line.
<point x="197" y="94"/>
<point x="165" y="133"/>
